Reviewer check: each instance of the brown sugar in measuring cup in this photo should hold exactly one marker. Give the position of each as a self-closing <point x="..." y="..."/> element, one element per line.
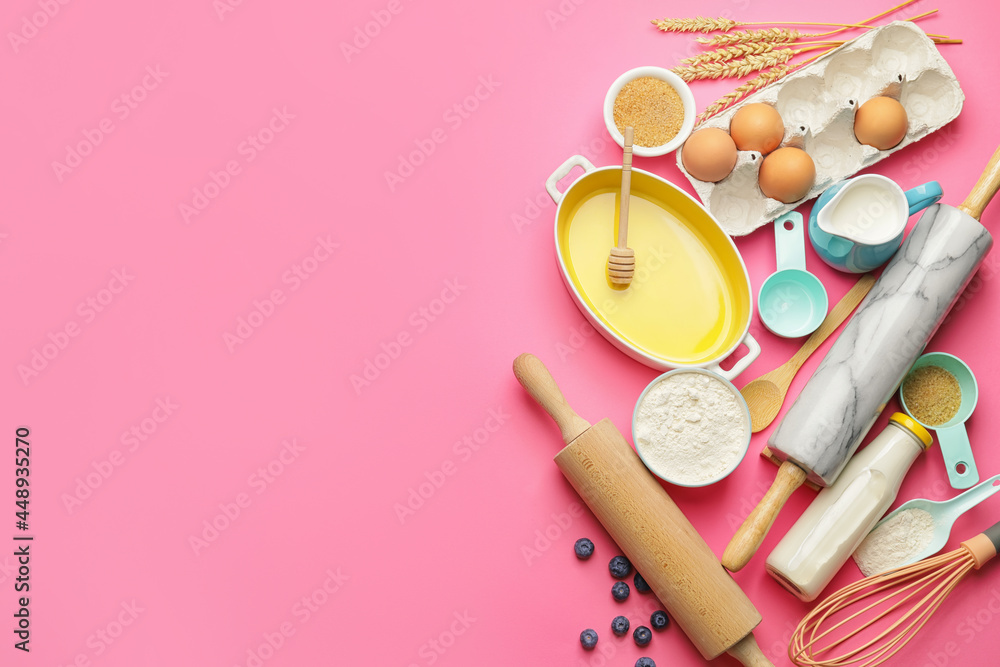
<point x="932" y="394"/>
<point x="929" y="393"/>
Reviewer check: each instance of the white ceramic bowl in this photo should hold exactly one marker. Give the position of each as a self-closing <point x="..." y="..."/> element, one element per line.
<point x="682" y="90"/>
<point x="666" y="474"/>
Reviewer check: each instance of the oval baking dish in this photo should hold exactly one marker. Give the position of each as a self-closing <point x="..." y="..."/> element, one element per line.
<point x="689" y="304"/>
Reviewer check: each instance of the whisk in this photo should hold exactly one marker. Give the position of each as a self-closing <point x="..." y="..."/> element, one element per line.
<point x="912" y="593"/>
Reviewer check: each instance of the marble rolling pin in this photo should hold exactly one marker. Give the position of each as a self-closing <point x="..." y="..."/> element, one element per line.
<point x="854" y="381"/>
<point x="650" y="529"/>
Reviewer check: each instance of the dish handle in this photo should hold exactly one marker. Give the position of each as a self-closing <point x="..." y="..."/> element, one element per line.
<point x="753" y="351"/>
<point x="552" y="182"/>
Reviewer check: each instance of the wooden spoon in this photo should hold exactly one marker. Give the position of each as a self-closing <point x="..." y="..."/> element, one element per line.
<point x="621" y="260"/>
<point x="765" y="395"/>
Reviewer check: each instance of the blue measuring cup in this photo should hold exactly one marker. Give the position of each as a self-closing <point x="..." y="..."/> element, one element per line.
<point x="792" y="302"/>
<point x="952" y="436"/>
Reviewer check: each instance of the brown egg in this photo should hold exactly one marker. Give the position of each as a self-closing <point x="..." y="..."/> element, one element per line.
<point x="709" y="154"/>
<point x="787" y="174"/>
<point x="757" y="127"/>
<point x="880" y="122"/>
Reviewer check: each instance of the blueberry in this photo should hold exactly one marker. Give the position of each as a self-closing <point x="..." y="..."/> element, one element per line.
<point x="619" y="626"/>
<point x="640" y="583"/>
<point x="642" y="635"/>
<point x="620" y="567"/>
<point x="620" y="591"/>
<point x="584" y="548"/>
<point x="589" y="639"/>
<point x="659" y="620"/>
<point x="645" y="662"/>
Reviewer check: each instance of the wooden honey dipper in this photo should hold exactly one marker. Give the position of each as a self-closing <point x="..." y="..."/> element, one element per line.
<point x="621" y="260"/>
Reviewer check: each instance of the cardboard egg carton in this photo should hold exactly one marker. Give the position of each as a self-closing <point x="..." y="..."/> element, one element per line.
<point x="817" y="104"/>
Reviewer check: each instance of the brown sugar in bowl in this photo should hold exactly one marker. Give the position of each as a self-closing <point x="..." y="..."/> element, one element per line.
<point x="640" y="96"/>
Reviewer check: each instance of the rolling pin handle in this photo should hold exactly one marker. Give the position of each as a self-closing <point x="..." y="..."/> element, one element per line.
<point x="748" y="653"/>
<point x="751" y="534"/>
<point x="536" y="379"/>
<point x="984" y="189"/>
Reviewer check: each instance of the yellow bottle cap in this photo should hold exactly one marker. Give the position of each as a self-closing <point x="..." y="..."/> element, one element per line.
<point x="914" y="427"/>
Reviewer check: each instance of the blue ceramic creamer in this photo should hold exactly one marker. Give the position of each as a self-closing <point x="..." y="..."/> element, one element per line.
<point x="858" y="224"/>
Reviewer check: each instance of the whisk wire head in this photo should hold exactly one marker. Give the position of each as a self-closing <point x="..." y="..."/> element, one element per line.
<point x="923" y="586"/>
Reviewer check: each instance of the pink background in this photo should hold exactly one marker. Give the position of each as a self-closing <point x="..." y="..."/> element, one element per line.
<point x="226" y="336"/>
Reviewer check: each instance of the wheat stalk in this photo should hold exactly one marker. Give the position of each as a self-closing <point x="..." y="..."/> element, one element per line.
<point x="756" y="83"/>
<point x="730" y="52"/>
<point x="699" y="24"/>
<point x="736" y="69"/>
<point x="749" y="36"/>
<point x="707" y="25"/>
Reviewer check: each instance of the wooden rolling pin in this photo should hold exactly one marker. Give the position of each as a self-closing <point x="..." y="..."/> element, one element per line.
<point x="648" y="527"/>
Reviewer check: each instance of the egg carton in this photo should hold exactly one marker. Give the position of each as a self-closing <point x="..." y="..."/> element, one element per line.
<point x="817" y="105"/>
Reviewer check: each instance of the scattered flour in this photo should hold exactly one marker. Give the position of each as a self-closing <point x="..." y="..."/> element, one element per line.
<point x="691" y="429"/>
<point x="895" y="542"/>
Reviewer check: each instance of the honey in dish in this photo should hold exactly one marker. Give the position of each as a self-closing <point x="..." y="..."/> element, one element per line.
<point x="679" y="305"/>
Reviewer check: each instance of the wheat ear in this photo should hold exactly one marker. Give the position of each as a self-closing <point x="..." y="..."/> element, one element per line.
<point x="699" y="24"/>
<point x="731" y="52"/>
<point x="756" y="83"/>
<point x="736" y="69"/>
<point x="749" y="36"/>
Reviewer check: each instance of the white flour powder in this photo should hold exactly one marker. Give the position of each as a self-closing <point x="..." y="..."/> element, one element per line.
<point x="691" y="429"/>
<point x="895" y="542"/>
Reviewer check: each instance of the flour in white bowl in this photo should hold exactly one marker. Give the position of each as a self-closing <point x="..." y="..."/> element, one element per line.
<point x="691" y="428"/>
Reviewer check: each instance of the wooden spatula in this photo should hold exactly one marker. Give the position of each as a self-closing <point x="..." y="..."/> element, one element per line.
<point x="765" y="395"/>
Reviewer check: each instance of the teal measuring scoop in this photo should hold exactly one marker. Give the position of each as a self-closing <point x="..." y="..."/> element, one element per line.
<point x="952" y="436"/>
<point x="944" y="513"/>
<point x="792" y="302"/>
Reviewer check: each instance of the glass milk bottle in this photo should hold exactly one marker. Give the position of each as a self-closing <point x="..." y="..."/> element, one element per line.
<point x="836" y="522"/>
